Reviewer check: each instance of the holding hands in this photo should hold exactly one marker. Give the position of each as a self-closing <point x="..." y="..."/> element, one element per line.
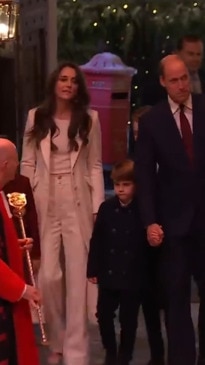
<point x="155" y="234"/>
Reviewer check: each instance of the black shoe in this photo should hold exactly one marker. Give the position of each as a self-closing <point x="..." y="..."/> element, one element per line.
<point x="110" y="359"/>
<point x="201" y="361"/>
<point x="157" y="362"/>
<point x="122" y="360"/>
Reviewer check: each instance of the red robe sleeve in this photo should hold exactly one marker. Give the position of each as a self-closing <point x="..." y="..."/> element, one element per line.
<point x="11" y="285"/>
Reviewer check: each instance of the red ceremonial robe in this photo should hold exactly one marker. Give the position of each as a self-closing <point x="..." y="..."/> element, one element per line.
<point x="11" y="288"/>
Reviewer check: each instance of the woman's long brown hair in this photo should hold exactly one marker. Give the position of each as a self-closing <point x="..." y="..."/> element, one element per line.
<point x="80" y="122"/>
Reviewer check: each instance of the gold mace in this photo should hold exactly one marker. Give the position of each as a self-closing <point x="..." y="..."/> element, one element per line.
<point x="18" y="202"/>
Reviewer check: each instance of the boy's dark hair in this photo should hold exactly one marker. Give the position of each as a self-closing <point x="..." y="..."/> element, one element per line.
<point x="139" y="112"/>
<point x="123" y="171"/>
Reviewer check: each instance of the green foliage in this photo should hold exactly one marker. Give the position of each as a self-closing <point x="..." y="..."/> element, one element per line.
<point x="141" y="30"/>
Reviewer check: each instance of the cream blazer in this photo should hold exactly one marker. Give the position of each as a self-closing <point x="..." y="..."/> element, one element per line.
<point x="86" y="175"/>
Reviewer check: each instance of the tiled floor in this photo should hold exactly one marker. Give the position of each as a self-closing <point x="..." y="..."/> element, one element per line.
<point x="141" y="355"/>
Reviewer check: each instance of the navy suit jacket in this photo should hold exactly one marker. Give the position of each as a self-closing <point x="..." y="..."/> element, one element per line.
<point x="172" y="194"/>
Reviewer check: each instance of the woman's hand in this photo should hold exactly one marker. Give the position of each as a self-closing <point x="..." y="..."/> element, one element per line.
<point x="93" y="280"/>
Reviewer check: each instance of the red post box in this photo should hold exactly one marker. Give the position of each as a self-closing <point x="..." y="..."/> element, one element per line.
<point x="108" y="81"/>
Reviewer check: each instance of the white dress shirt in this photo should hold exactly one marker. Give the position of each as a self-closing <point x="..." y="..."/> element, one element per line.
<point x="175" y="109"/>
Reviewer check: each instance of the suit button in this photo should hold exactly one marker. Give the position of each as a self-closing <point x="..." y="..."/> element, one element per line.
<point x="113" y="230"/>
<point x="125" y="252"/>
<point x="117" y="210"/>
<point x="110" y="272"/>
<point x="127" y="232"/>
<point x="124" y="273"/>
<point x="112" y="250"/>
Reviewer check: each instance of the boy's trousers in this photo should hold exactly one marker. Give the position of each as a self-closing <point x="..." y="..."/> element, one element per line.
<point x="128" y="303"/>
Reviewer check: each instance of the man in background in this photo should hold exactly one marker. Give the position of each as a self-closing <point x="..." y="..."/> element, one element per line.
<point x="191" y="49"/>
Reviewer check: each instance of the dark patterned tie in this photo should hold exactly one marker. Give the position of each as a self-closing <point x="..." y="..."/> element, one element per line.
<point x="186" y="132"/>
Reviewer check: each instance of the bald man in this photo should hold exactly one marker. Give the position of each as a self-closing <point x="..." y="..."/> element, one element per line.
<point x="172" y="199"/>
<point x="17" y="342"/>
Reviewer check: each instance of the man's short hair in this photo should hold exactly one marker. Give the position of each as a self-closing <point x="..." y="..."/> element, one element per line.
<point x="123" y="171"/>
<point x="161" y="69"/>
<point x="191" y="38"/>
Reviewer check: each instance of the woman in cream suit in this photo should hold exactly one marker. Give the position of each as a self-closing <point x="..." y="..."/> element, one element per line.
<point x="62" y="158"/>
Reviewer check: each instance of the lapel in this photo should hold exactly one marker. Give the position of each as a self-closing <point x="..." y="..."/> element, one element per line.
<point x="74" y="154"/>
<point x="171" y="139"/>
<point x="45" y="147"/>
<point x="172" y="130"/>
<point x="198" y="120"/>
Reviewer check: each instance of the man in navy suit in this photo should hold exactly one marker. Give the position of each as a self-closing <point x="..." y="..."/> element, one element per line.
<point x="170" y="166"/>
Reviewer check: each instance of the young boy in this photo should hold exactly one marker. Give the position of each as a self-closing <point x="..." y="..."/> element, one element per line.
<point x="116" y="263"/>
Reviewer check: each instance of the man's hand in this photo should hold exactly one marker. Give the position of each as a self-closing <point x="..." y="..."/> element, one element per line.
<point x="93" y="280"/>
<point x="155" y="234"/>
<point x="33" y="296"/>
<point x="25" y="243"/>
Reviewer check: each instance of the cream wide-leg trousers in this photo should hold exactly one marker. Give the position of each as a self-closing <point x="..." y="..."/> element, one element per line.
<point x="63" y="282"/>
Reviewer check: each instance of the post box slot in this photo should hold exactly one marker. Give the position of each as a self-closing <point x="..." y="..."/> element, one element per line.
<point x="119" y="96"/>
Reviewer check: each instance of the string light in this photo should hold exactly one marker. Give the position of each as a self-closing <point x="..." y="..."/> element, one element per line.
<point x="154" y="13"/>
